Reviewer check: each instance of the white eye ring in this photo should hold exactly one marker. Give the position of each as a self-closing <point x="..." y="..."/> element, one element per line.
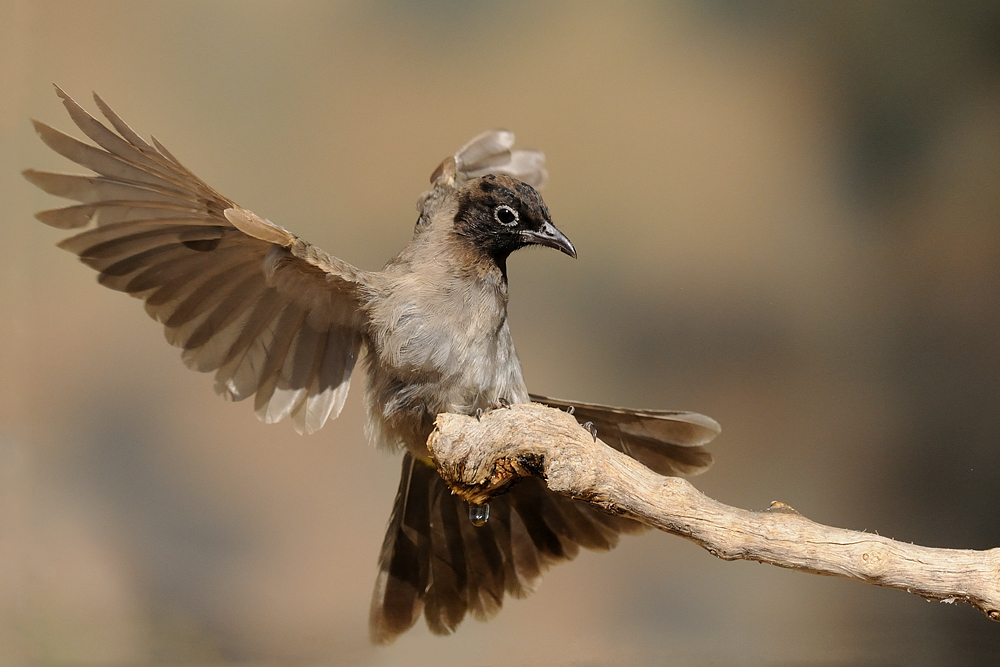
<point x="503" y="208"/>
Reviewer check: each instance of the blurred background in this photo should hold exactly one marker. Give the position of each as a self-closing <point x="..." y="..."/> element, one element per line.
<point x="788" y="218"/>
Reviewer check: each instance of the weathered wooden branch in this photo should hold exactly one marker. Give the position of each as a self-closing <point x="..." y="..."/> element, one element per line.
<point x="478" y="458"/>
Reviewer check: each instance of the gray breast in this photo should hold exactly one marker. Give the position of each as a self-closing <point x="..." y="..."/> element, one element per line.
<point x="438" y="346"/>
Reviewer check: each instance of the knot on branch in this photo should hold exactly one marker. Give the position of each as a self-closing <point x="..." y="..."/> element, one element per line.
<point x="781" y="508"/>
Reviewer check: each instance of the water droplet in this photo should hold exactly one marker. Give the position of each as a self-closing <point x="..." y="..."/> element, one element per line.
<point x="479" y="514"/>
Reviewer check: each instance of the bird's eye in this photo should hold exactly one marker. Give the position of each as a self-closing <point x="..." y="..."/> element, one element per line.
<point x="505" y="215"/>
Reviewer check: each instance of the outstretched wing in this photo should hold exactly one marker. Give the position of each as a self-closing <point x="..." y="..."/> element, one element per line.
<point x="271" y="314"/>
<point x="671" y="442"/>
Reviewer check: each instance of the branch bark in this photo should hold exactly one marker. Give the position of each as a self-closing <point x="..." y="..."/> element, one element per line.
<point x="479" y="458"/>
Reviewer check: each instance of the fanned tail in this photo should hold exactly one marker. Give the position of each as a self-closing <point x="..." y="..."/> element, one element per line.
<point x="435" y="561"/>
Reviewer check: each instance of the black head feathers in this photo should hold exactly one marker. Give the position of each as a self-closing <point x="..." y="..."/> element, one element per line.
<point x="498" y="214"/>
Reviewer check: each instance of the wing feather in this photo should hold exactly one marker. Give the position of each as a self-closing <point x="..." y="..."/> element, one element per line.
<point x="90" y="189"/>
<point x="287" y="388"/>
<point x="93" y="158"/>
<point x="328" y="392"/>
<point x="671" y="442"/>
<point x="273" y="317"/>
<point x="123" y="129"/>
<point x="165" y="274"/>
<point x="240" y="374"/>
<point x="111" y="142"/>
<point x="492" y="153"/>
<point x="286" y="329"/>
<point x="207" y="340"/>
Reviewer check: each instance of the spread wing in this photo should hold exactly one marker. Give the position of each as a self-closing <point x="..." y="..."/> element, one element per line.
<point x="671" y="442"/>
<point x="270" y="314"/>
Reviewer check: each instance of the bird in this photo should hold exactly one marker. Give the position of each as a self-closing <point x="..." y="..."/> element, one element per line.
<point x="280" y="320"/>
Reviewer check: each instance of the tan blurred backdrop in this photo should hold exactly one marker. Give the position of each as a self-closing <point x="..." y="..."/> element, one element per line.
<point x="788" y="218"/>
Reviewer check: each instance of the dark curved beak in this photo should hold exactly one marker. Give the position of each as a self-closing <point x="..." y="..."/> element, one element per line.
<point x="549" y="236"/>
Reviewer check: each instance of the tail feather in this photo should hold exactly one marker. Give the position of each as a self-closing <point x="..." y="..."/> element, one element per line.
<point x="436" y="562"/>
<point x="448" y="575"/>
<point x="404" y="563"/>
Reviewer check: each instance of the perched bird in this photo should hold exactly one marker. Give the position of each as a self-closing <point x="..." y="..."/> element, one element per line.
<point x="281" y="320"/>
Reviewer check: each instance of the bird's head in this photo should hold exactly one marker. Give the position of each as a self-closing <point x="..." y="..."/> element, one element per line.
<point x="499" y="214"/>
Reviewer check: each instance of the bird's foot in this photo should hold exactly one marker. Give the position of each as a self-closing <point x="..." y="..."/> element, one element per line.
<point x="501" y="403"/>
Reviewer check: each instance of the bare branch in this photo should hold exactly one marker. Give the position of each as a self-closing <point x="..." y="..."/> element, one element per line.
<point x="479" y="458"/>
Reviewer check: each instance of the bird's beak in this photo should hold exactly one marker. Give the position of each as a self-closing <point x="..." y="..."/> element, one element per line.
<point x="552" y="237"/>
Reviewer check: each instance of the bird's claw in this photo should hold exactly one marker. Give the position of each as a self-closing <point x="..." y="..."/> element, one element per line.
<point x="570" y="410"/>
<point x="495" y="405"/>
<point x="591" y="429"/>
